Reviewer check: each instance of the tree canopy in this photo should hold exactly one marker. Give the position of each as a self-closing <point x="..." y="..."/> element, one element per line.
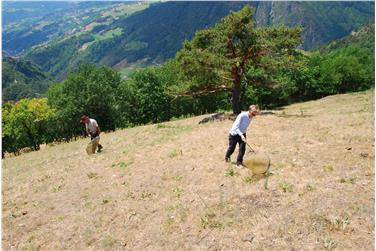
<point x="222" y="58"/>
<point x="26" y="124"/>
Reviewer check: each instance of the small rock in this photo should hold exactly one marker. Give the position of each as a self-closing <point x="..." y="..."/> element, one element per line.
<point x="248" y="238"/>
<point x="131" y="215"/>
<point x="348" y="148"/>
<point x="364" y="155"/>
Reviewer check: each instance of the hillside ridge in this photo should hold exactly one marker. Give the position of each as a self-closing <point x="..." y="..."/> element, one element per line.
<point x="166" y="186"/>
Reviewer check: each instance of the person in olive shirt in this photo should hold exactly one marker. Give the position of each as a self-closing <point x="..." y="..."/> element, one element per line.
<point x="238" y="134"/>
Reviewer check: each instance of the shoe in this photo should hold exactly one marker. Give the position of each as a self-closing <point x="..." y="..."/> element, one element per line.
<point x="227" y="160"/>
<point x="239" y="165"/>
<point x="99" y="148"/>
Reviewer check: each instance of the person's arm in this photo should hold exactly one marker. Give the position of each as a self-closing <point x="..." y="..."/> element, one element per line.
<point x="98" y="130"/>
<point x="243" y="138"/>
<point x="87" y="131"/>
<point x="241" y="117"/>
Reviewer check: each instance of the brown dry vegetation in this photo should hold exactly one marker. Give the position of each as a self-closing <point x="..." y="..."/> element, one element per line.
<point x="166" y="186"/>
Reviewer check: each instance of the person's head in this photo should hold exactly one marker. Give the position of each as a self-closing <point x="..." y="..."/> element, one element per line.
<point x="254" y="110"/>
<point x="84" y="119"/>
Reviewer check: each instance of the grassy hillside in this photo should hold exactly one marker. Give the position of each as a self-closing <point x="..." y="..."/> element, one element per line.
<point x="166" y="186"/>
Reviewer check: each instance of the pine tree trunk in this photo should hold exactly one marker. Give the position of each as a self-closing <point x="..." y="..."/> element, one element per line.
<point x="235" y="101"/>
<point x="236" y="92"/>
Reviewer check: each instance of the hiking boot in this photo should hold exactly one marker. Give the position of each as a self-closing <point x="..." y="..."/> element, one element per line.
<point x="99" y="148"/>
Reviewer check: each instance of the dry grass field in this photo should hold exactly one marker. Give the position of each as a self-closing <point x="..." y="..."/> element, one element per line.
<point x="166" y="186"/>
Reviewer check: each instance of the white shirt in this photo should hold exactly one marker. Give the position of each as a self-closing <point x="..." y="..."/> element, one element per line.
<point x="92" y="126"/>
<point x="241" y="124"/>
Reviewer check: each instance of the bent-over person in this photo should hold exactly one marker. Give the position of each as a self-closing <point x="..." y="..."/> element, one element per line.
<point x="92" y="130"/>
<point x="238" y="134"/>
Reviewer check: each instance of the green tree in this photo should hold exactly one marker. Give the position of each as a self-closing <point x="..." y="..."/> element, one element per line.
<point x="143" y="98"/>
<point x="171" y="75"/>
<point x="8" y="135"/>
<point x="217" y="59"/>
<point x="89" y="90"/>
<point x="347" y="69"/>
<point x="26" y="124"/>
<point x="305" y="78"/>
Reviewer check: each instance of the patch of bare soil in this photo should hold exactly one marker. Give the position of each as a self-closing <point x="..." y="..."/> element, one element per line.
<point x="166" y="186"/>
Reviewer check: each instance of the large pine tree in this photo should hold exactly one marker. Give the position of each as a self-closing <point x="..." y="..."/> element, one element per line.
<point x="220" y="58"/>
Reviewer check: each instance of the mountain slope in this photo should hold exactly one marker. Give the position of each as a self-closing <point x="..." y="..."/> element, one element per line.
<point x="156" y="33"/>
<point x="31" y="24"/>
<point x="322" y="21"/>
<point x="166" y="186"/>
<point x="363" y="38"/>
<point x="22" y="79"/>
<point x="14" y="12"/>
<point x="152" y="35"/>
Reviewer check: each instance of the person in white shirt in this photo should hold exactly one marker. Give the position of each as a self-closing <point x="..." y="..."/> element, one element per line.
<point x="238" y="134"/>
<point x="92" y="129"/>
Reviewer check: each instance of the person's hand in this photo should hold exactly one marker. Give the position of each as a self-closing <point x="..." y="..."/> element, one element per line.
<point x="243" y="138"/>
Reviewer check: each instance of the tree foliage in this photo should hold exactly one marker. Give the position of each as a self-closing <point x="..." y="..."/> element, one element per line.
<point x="89" y="90"/>
<point x="220" y="58"/>
<point x="26" y="124"/>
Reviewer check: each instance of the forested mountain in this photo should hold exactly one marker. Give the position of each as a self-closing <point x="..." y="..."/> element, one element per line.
<point x="149" y="36"/>
<point x="322" y="21"/>
<point x="347" y="64"/>
<point x="15" y="12"/>
<point x="22" y="79"/>
<point x="156" y="33"/>
<point x="29" y="24"/>
<point x="363" y="38"/>
<point x="105" y="33"/>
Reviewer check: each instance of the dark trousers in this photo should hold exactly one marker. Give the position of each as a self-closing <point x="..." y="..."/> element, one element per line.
<point x="93" y="136"/>
<point x="233" y="140"/>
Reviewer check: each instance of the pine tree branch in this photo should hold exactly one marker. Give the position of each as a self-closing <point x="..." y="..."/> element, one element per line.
<point x="202" y="92"/>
